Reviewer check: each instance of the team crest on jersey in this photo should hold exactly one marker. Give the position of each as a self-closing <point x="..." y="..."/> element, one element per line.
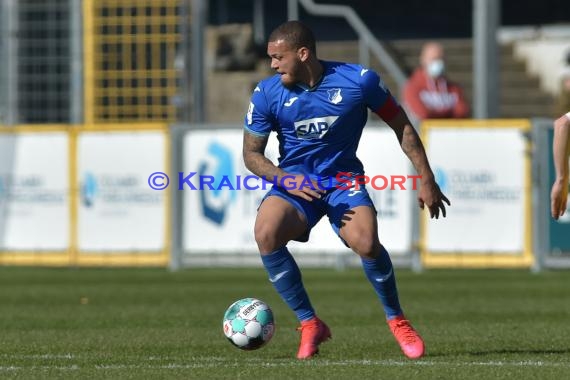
<point x="314" y="128"/>
<point x="334" y="95"/>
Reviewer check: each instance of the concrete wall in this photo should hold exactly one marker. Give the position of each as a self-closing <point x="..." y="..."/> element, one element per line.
<point x="544" y="50"/>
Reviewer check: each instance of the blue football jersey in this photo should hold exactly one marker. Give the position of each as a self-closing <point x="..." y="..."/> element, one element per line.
<point x="319" y="128"/>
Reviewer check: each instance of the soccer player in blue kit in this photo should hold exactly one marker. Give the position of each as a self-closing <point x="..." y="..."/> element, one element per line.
<point x="318" y="110"/>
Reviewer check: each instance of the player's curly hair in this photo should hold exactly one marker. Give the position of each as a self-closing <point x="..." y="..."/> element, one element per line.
<point x="295" y="33"/>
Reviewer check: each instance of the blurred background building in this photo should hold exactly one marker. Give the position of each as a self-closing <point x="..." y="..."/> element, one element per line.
<point x="97" y="61"/>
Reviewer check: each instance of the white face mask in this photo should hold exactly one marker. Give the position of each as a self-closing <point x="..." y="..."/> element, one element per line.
<point x="436" y="68"/>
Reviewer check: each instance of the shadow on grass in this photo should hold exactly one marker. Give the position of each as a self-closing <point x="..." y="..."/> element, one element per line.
<point x="520" y="351"/>
<point x="481" y="353"/>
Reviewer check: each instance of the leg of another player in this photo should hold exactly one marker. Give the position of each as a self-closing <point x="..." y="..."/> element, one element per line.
<point x="277" y="223"/>
<point x="360" y="231"/>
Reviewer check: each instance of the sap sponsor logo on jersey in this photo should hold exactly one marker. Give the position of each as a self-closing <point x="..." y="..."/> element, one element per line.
<point x="314" y="128"/>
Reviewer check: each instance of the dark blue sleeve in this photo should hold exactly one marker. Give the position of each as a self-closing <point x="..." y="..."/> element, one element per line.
<point x="376" y="95"/>
<point x="258" y="120"/>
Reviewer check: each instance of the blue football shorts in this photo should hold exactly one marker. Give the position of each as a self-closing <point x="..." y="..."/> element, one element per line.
<point x="334" y="203"/>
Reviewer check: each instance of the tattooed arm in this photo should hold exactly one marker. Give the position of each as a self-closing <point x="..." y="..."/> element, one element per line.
<point x="429" y="193"/>
<point x="255" y="160"/>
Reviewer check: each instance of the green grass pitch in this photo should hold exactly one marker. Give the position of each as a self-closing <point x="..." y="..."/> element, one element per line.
<point x="149" y="323"/>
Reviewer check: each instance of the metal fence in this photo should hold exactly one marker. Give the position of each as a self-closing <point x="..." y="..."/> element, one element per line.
<point x="98" y="61"/>
<point x="36" y="55"/>
<point x="44" y="56"/>
<point x="130" y="52"/>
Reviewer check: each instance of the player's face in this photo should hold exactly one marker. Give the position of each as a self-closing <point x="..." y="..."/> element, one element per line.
<point x="286" y="61"/>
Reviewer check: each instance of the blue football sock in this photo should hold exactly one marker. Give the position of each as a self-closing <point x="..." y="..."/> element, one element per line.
<point x="380" y="273"/>
<point x="285" y="276"/>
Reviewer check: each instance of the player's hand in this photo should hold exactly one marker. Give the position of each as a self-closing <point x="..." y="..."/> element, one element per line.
<point x="431" y="196"/>
<point x="558" y="198"/>
<point x="303" y="187"/>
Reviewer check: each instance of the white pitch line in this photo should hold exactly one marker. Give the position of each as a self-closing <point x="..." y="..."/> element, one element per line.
<point x="42" y="368"/>
<point x="39" y="356"/>
<point x="216" y="362"/>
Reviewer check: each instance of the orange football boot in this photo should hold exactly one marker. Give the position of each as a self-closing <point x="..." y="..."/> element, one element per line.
<point x="313" y="332"/>
<point x="409" y="340"/>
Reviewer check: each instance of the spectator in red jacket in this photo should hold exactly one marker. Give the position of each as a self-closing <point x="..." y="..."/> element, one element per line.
<point x="428" y="94"/>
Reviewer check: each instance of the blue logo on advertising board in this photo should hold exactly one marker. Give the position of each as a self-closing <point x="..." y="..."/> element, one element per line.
<point x="215" y="203"/>
<point x="441" y="179"/>
<point x="88" y="189"/>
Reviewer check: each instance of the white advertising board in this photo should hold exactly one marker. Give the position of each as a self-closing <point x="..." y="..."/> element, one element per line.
<point x="34" y="201"/>
<point x="217" y="220"/>
<point x="118" y="210"/>
<point x="222" y="219"/>
<point x="482" y="172"/>
<point x="382" y="155"/>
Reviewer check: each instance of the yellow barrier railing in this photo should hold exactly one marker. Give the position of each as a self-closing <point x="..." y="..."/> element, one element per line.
<point x="72" y="255"/>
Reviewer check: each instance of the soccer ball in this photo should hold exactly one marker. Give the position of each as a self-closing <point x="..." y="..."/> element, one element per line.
<point x="248" y="324"/>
